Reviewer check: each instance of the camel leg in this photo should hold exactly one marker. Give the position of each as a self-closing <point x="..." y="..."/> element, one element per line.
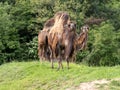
<point x="52" y="60"/>
<point x="67" y="54"/>
<point x="40" y="53"/>
<point x="74" y="57"/>
<point x="54" y="54"/>
<point x="52" y="64"/>
<point x="61" y="59"/>
<point x="60" y="64"/>
<point x="68" y="64"/>
<point x="43" y="53"/>
<point x="50" y="52"/>
<point x="51" y="57"/>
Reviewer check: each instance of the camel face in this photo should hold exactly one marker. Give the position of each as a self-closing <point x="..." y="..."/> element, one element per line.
<point x="85" y="28"/>
<point x="72" y="26"/>
<point x="65" y="18"/>
<point x="81" y="41"/>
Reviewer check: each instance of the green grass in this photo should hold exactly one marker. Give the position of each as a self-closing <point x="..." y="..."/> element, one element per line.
<point x="114" y="85"/>
<point x="37" y="76"/>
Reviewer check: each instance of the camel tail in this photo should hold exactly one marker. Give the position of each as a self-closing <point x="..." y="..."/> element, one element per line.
<point x="46" y="40"/>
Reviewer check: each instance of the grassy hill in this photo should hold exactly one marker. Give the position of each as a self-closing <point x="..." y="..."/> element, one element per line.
<point x="37" y="76"/>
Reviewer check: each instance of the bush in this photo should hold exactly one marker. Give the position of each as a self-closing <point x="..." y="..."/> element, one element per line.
<point x="81" y="55"/>
<point x="105" y="47"/>
<point x="32" y="48"/>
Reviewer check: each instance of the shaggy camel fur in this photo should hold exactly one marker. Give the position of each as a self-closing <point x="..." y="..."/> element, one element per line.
<point x="61" y="19"/>
<point x="65" y="43"/>
<point x="43" y="39"/>
<point x="42" y="44"/>
<point x="59" y="35"/>
<point x="55" y="34"/>
<point x="43" y="36"/>
<point x="48" y="24"/>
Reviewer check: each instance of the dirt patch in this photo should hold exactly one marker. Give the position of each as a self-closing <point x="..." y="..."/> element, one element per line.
<point x="94" y="85"/>
<point x="90" y="85"/>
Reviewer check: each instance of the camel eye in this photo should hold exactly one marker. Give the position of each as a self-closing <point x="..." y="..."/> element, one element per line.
<point x="68" y="25"/>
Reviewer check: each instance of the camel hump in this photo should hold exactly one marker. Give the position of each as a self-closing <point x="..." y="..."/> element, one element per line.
<point x="49" y="23"/>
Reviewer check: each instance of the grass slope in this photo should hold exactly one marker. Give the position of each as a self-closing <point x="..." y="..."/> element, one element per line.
<point x="37" y="76"/>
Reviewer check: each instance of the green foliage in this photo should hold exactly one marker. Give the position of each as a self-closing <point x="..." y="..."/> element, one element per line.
<point x="21" y="20"/>
<point x="105" y="46"/>
<point x="32" y="48"/>
<point x="9" y="40"/>
<point x="81" y="55"/>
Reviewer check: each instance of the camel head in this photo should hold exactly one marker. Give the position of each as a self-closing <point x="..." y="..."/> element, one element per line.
<point x="71" y="25"/>
<point x="81" y="40"/>
<point x="65" y="18"/>
<point x="85" y="28"/>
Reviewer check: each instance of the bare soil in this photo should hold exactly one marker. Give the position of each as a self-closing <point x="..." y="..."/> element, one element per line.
<point x="91" y="85"/>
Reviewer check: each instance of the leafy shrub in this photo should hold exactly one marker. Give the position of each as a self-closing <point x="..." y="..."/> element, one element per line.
<point x="105" y="47"/>
<point x="32" y="48"/>
<point x="81" y="55"/>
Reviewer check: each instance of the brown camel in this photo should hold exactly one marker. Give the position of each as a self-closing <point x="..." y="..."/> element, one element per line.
<point x="56" y="32"/>
<point x="59" y="34"/>
<point x="43" y="51"/>
<point x="67" y="42"/>
<point x="80" y="42"/>
<point x="64" y="43"/>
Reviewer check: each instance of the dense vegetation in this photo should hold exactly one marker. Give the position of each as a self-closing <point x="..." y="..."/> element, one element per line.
<point x="20" y="21"/>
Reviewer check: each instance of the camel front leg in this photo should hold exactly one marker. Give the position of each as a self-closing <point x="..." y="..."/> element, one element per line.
<point x="39" y="52"/>
<point x="51" y="57"/>
<point x="52" y="64"/>
<point x="67" y="62"/>
<point x="60" y="64"/>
